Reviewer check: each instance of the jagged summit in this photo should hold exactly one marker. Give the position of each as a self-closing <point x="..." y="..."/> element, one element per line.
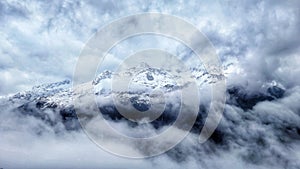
<point x="57" y="97"/>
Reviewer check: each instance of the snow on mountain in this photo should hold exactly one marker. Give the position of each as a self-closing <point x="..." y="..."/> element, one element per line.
<point x="58" y="96"/>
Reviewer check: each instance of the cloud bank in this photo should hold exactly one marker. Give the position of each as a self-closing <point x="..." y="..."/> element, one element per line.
<point x="257" y="41"/>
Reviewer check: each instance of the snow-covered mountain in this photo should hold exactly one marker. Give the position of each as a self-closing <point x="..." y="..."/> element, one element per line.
<point x="57" y="97"/>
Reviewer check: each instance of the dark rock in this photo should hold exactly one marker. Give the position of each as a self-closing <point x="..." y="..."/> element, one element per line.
<point x="140" y="104"/>
<point x="149" y="76"/>
<point x="241" y="98"/>
<point x="276" y="91"/>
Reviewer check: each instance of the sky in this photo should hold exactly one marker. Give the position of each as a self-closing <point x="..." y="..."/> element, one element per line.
<point x="41" y="40"/>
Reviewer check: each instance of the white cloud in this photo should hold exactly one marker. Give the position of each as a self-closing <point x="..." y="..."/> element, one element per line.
<point x="40" y="42"/>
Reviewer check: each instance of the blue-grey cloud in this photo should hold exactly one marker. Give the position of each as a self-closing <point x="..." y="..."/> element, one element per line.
<point x="258" y="41"/>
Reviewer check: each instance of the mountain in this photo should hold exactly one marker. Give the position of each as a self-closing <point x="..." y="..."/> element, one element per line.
<point x="57" y="97"/>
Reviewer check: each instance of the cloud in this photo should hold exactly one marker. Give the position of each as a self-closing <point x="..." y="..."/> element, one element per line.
<point x="257" y="40"/>
<point x="43" y="38"/>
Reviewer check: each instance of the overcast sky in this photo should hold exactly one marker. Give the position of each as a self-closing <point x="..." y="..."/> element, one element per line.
<point x="41" y="40"/>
